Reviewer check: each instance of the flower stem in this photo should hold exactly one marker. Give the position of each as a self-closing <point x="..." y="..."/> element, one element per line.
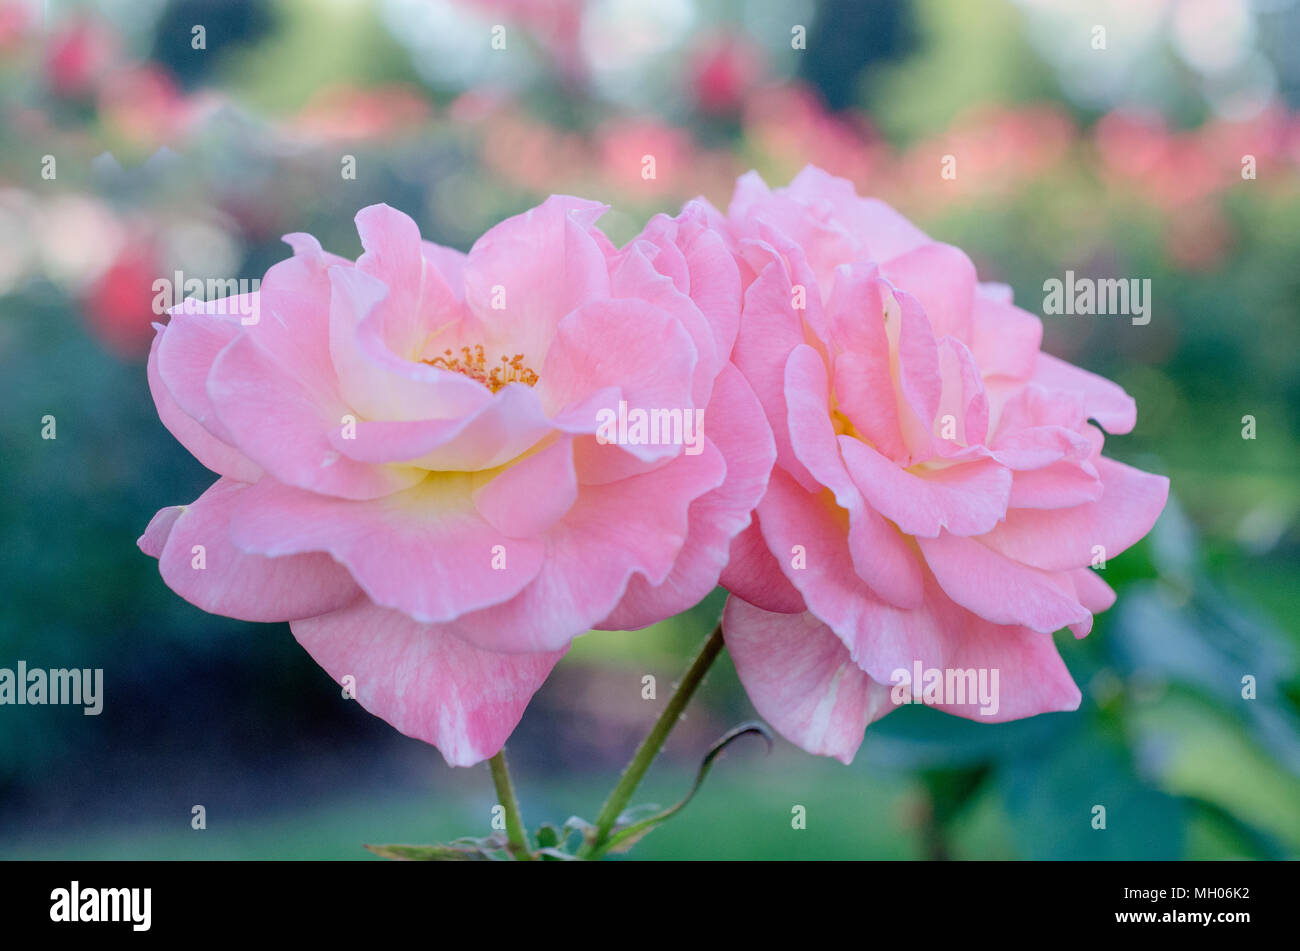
<point x="650" y="746"/>
<point x="516" y="836"/>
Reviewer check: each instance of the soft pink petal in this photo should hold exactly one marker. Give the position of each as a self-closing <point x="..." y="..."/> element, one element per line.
<point x="863" y="373"/>
<point x="285" y="428"/>
<point x="419" y="297"/>
<point x="547" y="264"/>
<point x="942" y="278"/>
<point x="801" y="679"/>
<point x="798" y="261"/>
<point x="610" y="343"/>
<point x="919" y="379"/>
<point x="531" y="495"/>
<point x="997" y="588"/>
<point x="714" y="277"/>
<point x="1104" y="401"/>
<point x="745" y="441"/>
<point x="1062" y="539"/>
<point x="887" y="233"/>
<point x="658" y="243"/>
<point x="600" y="463"/>
<point x="376" y="382"/>
<point x="184" y="354"/>
<point x="425" y="551"/>
<point x="1004" y="339"/>
<point x="791" y="223"/>
<point x="450" y="263"/>
<point x="769" y="331"/>
<point x="424" y="681"/>
<point x="1041" y="446"/>
<point x="159" y="528"/>
<point x="293" y="326"/>
<point x="220" y="457"/>
<point x="503" y="427"/>
<point x="613" y="531"/>
<point x="200" y="564"/>
<point x="635" y="277"/>
<point x="1060" y="485"/>
<point x="966" y="499"/>
<point x="754" y="575"/>
<point x="1032" y="678"/>
<point x="809" y="537"/>
<point x="963" y="398"/>
<point x="879" y="553"/>
<point x="1033" y="406"/>
<point x="1094" y="593"/>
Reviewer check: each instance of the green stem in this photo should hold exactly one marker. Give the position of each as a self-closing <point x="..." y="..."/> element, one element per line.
<point x="650" y="746"/>
<point x="516" y="836"/>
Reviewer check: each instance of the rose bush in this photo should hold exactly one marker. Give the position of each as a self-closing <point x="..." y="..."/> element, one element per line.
<point x="409" y="466"/>
<point x="940" y="490"/>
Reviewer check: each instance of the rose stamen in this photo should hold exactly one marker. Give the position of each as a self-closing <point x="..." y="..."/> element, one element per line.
<point x="472" y="363"/>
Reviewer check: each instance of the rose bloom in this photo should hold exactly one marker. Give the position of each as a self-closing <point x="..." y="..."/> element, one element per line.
<point x="410" y="472"/>
<point x="939" y="493"/>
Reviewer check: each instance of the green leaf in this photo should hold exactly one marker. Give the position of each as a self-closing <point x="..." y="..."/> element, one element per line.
<point x="425" y="853"/>
<point x="547" y="836"/>
<point x="487" y="849"/>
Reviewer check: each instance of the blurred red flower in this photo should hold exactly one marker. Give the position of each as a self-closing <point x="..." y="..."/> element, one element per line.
<point x="78" y="56"/>
<point x="119" y="303"/>
<point x="723" y="71"/>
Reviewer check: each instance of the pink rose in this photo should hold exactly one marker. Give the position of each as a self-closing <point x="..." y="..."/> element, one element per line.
<point x="412" y="467"/>
<point x="940" y="491"/>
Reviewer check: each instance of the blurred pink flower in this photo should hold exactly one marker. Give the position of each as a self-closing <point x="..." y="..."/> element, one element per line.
<point x="117" y="304"/>
<point x="478" y="105"/>
<point x="790" y="123"/>
<point x="348" y="113"/>
<point x="1167" y="169"/>
<point x="723" y="70"/>
<point x="645" y="156"/>
<point x="142" y="103"/>
<point x="1264" y="137"/>
<point x="996" y="151"/>
<point x="526" y="152"/>
<point x="940" y="491"/>
<point x="17" y="19"/>
<point x="413" y="468"/>
<point x="78" y="55"/>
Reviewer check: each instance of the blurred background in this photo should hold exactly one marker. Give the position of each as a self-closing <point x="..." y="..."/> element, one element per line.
<point x="134" y="144"/>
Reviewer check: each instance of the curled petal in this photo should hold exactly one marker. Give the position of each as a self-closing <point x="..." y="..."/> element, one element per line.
<point x="801" y="679"/>
<point x="221" y="457"/>
<point x="1062" y="539"/>
<point x="199" y="562"/>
